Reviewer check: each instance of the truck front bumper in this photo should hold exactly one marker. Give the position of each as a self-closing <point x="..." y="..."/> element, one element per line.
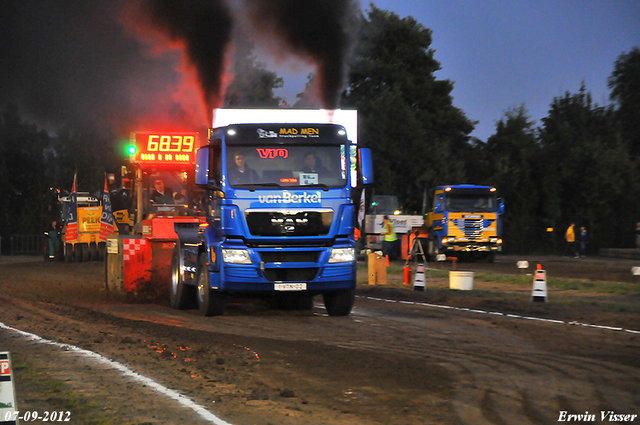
<point x="472" y="248"/>
<point x="287" y="269"/>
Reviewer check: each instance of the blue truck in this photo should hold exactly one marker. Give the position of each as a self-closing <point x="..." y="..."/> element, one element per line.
<point x="279" y="212"/>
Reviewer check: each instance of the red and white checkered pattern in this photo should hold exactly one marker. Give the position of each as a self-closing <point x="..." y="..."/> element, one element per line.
<point x="131" y="246"/>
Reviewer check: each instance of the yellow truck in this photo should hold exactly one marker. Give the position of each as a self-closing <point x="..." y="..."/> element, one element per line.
<point x="87" y="247"/>
<point x="466" y="222"/>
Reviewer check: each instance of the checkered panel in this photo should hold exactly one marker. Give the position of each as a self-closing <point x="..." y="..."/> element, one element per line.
<point x="130" y="247"/>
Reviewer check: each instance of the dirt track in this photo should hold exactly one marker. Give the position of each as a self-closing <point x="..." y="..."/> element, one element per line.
<point x="389" y="362"/>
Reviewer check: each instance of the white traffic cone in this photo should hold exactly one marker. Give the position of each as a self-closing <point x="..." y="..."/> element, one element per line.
<point x="539" y="292"/>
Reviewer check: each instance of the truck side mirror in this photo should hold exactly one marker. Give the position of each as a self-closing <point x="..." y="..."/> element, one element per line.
<point x="202" y="166"/>
<point x="438" y="207"/>
<point x="501" y="208"/>
<point x="366" y="166"/>
<point x="208" y="166"/>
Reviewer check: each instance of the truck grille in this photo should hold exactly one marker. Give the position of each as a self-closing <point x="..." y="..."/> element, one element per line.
<point x="289" y="223"/>
<point x="291" y="275"/>
<point x="290" y="256"/>
<point x="471" y="227"/>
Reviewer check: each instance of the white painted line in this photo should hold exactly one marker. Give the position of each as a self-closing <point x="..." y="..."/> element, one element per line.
<point x="512" y="316"/>
<point x="183" y="400"/>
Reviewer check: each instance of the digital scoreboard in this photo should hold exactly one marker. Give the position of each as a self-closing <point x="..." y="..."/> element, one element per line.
<point x="164" y="148"/>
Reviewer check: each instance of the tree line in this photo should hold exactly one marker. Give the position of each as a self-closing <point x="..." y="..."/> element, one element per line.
<point x="581" y="164"/>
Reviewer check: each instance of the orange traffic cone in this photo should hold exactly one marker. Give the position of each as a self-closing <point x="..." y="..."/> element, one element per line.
<point x="387" y="260"/>
<point x="539" y="266"/>
<point x="407" y="275"/>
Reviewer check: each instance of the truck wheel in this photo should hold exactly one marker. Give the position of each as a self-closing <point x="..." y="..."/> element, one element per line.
<point x="68" y="252"/>
<point x="210" y="302"/>
<point x="339" y="303"/>
<point x="93" y="251"/>
<point x="102" y="249"/>
<point x="85" y="251"/>
<point x="432" y="251"/>
<point x="77" y="252"/>
<point x="180" y="295"/>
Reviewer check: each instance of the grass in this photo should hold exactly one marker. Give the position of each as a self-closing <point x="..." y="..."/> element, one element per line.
<point x="36" y="390"/>
<point x="594" y="286"/>
<point x="395" y="275"/>
<point x="513" y="291"/>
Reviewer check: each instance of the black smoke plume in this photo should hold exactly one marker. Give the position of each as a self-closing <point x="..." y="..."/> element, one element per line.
<point x="316" y="30"/>
<point x="204" y="26"/>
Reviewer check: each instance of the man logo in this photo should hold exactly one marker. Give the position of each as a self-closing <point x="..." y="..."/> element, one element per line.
<point x="264" y="134"/>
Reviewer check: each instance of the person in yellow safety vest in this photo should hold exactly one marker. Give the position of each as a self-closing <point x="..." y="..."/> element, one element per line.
<point x="389" y="239"/>
<point x="570" y="237"/>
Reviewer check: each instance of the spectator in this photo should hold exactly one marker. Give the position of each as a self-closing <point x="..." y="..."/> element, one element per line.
<point x="53" y="235"/>
<point x="389" y="239"/>
<point x="570" y="237"/>
<point x="583" y="239"/>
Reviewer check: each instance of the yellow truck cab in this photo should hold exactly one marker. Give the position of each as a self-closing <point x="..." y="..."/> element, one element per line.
<point x="465" y="222"/>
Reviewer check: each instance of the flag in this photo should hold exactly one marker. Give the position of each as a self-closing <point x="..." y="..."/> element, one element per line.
<point x="71" y="234"/>
<point x="361" y="210"/>
<point x="106" y="220"/>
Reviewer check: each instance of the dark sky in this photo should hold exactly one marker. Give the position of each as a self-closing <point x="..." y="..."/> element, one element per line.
<point x="121" y="63"/>
<point x="70" y="62"/>
<point x="502" y="53"/>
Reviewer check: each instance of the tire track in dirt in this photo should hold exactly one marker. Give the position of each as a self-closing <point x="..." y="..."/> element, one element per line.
<point x="506" y="381"/>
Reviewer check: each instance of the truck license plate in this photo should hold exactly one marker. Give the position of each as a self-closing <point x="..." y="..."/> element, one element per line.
<point x="290" y="286"/>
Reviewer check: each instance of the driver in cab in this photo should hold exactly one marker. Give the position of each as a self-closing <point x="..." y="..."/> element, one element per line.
<point x="241" y="173"/>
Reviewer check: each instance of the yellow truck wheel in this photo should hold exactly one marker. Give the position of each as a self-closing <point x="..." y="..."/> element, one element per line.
<point x="93" y="251"/>
<point x="102" y="249"/>
<point x="68" y="252"/>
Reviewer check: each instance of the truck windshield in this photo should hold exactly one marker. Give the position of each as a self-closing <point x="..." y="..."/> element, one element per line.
<point x="171" y="193"/>
<point x="471" y="203"/>
<point x="287" y="166"/>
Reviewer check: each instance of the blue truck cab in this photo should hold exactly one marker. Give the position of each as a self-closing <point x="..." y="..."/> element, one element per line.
<point x="279" y="214"/>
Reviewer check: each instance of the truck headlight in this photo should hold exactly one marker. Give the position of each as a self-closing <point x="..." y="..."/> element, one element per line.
<point x="236" y="256"/>
<point x="342" y="255"/>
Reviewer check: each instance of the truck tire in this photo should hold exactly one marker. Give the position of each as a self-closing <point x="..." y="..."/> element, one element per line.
<point x="93" y="251"/>
<point x="432" y="250"/>
<point x="181" y="295"/>
<point x="339" y="303"/>
<point x="102" y="250"/>
<point x="68" y="252"/>
<point x="210" y="302"/>
<point x="77" y="252"/>
<point x="85" y="251"/>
